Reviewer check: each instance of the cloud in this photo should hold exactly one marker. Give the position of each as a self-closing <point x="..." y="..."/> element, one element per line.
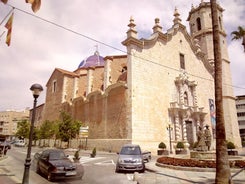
<point x="62" y="33"/>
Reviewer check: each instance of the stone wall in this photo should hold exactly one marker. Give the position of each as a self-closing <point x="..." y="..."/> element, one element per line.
<point x="105" y="114"/>
<point x="110" y="145"/>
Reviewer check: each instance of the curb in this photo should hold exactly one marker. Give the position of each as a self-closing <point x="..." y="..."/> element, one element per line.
<point x="151" y="170"/>
<point x="195" y="169"/>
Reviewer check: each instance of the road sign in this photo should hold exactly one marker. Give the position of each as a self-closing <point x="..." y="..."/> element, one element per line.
<point x="83" y="132"/>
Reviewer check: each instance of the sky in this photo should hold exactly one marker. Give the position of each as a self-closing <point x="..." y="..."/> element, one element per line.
<point x="63" y="33"/>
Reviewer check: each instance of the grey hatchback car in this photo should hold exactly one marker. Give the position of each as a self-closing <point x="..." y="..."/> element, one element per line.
<point x="130" y="158"/>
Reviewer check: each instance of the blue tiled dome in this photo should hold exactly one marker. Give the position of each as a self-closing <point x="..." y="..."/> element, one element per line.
<point x="92" y="61"/>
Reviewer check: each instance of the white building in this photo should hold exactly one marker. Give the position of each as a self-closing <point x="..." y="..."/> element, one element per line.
<point x="240" y="106"/>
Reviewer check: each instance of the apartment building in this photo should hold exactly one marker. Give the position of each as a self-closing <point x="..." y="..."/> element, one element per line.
<point x="9" y="120"/>
<point x="240" y="106"/>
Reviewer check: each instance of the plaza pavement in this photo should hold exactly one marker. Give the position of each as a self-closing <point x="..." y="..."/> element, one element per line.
<point x="180" y="175"/>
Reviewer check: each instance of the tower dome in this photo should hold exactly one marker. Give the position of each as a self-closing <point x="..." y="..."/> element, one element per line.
<point x="92" y="61"/>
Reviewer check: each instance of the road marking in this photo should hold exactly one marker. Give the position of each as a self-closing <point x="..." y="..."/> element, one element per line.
<point x="130" y="177"/>
<point x="106" y="162"/>
<point x="24" y="152"/>
<point x="85" y="159"/>
<point x="133" y="177"/>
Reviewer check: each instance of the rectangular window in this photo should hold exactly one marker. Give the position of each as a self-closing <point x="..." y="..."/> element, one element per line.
<point x="54" y="86"/>
<point x="182" y="61"/>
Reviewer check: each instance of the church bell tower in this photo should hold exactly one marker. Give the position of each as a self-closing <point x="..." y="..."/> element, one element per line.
<point x="200" y="22"/>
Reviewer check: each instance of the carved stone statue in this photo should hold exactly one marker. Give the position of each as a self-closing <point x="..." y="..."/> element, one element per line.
<point x="201" y="145"/>
<point x="207" y="135"/>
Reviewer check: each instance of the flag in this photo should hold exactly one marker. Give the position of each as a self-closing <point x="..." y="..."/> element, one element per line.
<point x="35" y="4"/>
<point x="8" y="25"/>
<point x="4" y="1"/>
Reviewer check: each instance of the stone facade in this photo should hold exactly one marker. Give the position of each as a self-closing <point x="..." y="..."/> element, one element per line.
<point x="164" y="80"/>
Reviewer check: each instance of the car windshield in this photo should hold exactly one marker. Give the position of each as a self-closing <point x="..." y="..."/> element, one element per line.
<point x="56" y="155"/>
<point x="130" y="150"/>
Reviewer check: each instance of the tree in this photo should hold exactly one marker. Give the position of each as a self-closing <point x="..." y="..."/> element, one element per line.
<point x="46" y="130"/>
<point x="68" y="128"/>
<point x="55" y="130"/>
<point x="23" y="129"/>
<point x="222" y="163"/>
<point x="239" y="34"/>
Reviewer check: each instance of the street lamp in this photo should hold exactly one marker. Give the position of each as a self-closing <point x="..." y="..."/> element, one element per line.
<point x="36" y="89"/>
<point x="169" y="128"/>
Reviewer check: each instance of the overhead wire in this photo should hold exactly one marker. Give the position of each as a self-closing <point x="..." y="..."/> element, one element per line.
<point x="7" y="16"/>
<point x="107" y="45"/>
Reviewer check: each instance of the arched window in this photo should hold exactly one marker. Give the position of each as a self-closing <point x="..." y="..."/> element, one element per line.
<point x="199" y="26"/>
<point x="220" y="23"/>
<point x="54" y="86"/>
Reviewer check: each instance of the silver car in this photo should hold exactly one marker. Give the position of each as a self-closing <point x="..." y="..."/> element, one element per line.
<point x="130" y="158"/>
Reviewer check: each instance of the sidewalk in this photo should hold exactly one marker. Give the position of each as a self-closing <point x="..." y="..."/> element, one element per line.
<point x="160" y="175"/>
<point x="6" y="177"/>
<point x="181" y="175"/>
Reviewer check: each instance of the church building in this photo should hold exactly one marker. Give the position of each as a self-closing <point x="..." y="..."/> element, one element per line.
<point x="162" y="89"/>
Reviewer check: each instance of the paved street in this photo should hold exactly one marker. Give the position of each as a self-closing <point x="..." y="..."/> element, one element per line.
<point x="105" y="163"/>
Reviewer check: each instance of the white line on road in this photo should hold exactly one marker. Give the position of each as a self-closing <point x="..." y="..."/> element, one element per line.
<point x="106" y="162"/>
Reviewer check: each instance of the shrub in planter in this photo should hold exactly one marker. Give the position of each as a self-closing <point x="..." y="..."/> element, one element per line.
<point x="162" y="149"/>
<point x="180" y="145"/>
<point x="162" y="145"/>
<point x="180" y="148"/>
<point x="230" y="147"/>
<point x="93" y="154"/>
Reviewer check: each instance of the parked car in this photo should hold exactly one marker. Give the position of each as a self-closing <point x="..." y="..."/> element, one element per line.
<point x="54" y="164"/>
<point x="4" y="147"/>
<point x="146" y="156"/>
<point x="130" y="158"/>
<point x="20" y="143"/>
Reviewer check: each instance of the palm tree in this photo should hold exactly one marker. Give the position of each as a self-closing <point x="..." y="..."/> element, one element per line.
<point x="239" y="34"/>
<point x="222" y="163"/>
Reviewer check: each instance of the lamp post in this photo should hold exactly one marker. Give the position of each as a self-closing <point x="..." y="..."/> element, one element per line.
<point x="36" y="89"/>
<point x="169" y="128"/>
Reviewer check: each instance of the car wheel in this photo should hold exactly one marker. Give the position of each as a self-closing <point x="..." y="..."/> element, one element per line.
<point x="38" y="169"/>
<point x="117" y="169"/>
<point x="143" y="170"/>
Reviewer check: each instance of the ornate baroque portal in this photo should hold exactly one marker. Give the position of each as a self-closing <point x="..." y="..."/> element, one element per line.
<point x="185" y="114"/>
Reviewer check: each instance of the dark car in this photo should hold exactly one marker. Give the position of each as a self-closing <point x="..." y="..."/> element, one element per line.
<point x="130" y="158"/>
<point x="4" y="147"/>
<point x="55" y="164"/>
